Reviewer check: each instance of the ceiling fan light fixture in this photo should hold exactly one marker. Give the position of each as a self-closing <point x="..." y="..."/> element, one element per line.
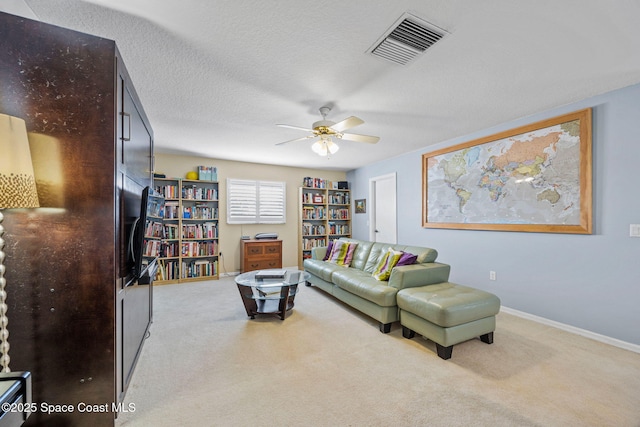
<point x="317" y="147"/>
<point x="326" y="129"/>
<point x="325" y="147"/>
<point x="332" y="147"/>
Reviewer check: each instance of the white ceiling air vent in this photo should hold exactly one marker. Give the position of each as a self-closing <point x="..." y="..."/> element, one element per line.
<point x="409" y="37"/>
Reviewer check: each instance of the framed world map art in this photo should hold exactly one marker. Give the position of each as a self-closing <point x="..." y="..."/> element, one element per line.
<point x="535" y="178"/>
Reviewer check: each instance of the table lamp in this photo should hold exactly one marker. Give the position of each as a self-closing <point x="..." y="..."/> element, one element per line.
<point x="17" y="190"/>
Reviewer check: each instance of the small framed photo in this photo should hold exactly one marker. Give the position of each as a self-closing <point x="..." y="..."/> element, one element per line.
<point x="361" y="206"/>
<point x="317" y="199"/>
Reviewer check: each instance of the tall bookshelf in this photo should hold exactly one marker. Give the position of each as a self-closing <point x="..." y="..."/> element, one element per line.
<point x="191" y="241"/>
<point x="324" y="215"/>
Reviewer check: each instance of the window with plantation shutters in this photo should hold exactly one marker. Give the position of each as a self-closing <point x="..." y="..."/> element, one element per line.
<point x="255" y="202"/>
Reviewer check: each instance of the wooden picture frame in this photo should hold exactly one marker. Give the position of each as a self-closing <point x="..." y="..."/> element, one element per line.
<point x="534" y="178"/>
<point x="361" y="206"/>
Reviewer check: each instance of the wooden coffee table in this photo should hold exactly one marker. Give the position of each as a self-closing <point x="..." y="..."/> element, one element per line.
<point x="269" y="291"/>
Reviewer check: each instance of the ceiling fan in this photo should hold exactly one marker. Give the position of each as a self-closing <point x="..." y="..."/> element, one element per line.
<point x="325" y="129"/>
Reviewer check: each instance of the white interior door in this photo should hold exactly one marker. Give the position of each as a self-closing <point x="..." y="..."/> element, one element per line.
<point x="383" y="211"/>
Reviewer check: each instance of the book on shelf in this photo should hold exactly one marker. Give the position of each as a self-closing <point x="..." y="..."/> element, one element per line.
<point x="169" y="191"/>
<point x="171" y="210"/>
<point x="171" y="250"/>
<point x="170" y="231"/>
<point x="199" y="193"/>
<point x="199" y="249"/>
<point x="153" y="230"/>
<point x="310" y="243"/>
<point x="309" y="182"/>
<point x="199" y="268"/>
<point x="207" y="230"/>
<point x="167" y="270"/>
<point x="152" y="248"/>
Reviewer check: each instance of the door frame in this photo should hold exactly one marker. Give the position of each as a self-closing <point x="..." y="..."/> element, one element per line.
<point x="392" y="200"/>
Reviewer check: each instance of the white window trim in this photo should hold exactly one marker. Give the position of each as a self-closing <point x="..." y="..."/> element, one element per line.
<point x="256" y="202"/>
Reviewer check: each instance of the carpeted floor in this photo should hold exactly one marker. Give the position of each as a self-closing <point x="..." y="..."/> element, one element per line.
<point x="207" y="364"/>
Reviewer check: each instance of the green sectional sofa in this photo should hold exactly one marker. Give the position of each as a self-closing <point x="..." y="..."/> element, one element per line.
<point x="356" y="286"/>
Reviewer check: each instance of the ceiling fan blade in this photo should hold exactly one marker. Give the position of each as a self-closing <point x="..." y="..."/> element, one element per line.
<point x="295" y="127"/>
<point x="360" y="138"/>
<point x="297" y="139"/>
<point x="347" y="123"/>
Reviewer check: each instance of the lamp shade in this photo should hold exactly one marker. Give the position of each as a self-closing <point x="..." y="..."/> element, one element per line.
<point x="324" y="147"/>
<point x="46" y="157"/>
<point x="17" y="181"/>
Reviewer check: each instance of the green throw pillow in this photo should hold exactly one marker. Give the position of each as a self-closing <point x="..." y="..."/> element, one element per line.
<point x="385" y="265"/>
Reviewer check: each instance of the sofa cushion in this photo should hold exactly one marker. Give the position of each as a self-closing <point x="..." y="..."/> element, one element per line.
<point x="448" y="304"/>
<point x="342" y="252"/>
<point x="362" y="284"/>
<point x="321" y="269"/>
<point x="319" y="252"/>
<point x="386" y="264"/>
<point x="378" y="250"/>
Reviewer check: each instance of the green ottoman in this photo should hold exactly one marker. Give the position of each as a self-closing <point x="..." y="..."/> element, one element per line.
<point x="448" y="314"/>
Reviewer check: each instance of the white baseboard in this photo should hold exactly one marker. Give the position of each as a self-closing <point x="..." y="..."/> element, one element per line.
<point x="582" y="332"/>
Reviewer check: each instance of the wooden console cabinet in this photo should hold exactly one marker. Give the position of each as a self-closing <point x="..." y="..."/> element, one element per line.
<point x="261" y="254"/>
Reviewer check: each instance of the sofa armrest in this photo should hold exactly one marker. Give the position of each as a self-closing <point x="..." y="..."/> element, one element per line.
<point x="414" y="275"/>
<point x="318" y="253"/>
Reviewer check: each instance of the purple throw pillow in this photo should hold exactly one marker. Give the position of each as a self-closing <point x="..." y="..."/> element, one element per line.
<point x="407" y="259"/>
<point x="329" y="246"/>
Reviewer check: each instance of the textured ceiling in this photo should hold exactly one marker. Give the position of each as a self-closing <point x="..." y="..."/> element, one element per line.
<point x="216" y="76"/>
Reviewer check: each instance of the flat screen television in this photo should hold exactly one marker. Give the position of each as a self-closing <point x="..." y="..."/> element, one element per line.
<point x="146" y="237"/>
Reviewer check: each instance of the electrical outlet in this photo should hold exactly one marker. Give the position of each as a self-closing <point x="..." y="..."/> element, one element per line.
<point x="634" y="230"/>
<point x="492" y="275"/>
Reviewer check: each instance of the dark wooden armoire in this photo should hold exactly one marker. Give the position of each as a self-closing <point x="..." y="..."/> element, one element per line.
<point x="77" y="315"/>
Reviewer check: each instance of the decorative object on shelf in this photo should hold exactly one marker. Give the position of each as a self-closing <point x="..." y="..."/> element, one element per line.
<point x="17" y="190"/>
<point x="192" y="175"/>
<point x="535" y="178"/>
<point x="266" y="236"/>
<point x="326" y="129"/>
<point x="208" y="173"/>
<point x="361" y="206"/>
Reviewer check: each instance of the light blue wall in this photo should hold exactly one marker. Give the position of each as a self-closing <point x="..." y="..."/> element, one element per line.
<point x="590" y="282"/>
